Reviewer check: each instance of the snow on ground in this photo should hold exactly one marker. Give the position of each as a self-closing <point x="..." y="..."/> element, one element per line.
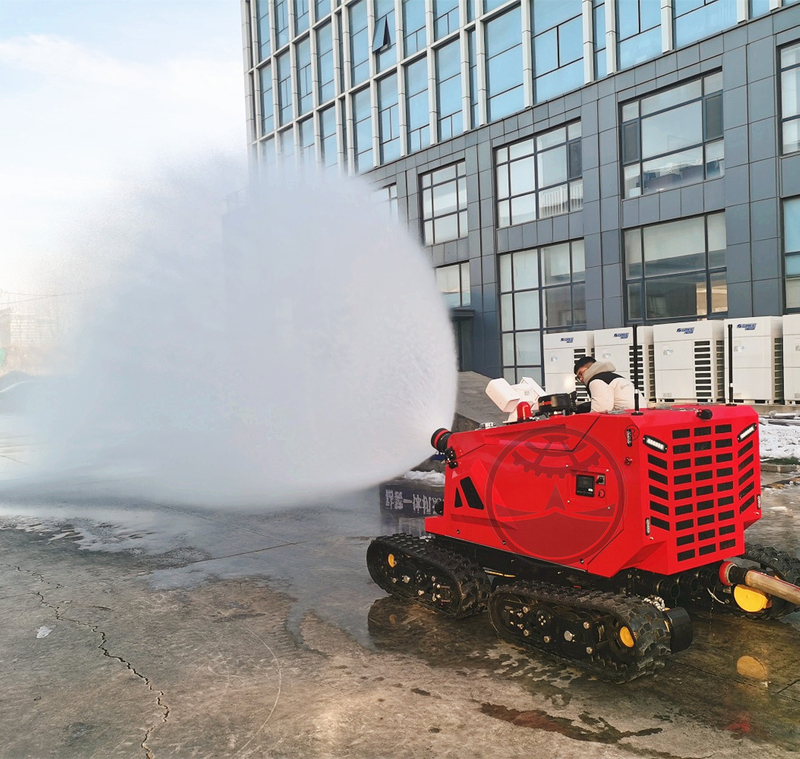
<point x="779" y="441"/>
<point x="430" y="478"/>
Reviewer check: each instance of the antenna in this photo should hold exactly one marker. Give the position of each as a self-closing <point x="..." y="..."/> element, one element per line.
<point x="730" y="365"/>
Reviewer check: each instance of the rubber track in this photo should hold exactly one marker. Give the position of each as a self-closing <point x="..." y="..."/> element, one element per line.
<point x="645" y="621"/>
<point x="466" y="576"/>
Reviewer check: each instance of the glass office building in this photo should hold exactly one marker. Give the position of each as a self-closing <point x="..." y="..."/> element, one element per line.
<point x="568" y="164"/>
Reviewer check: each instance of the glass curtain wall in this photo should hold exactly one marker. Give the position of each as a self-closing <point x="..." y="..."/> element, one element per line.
<point x="504" y="71"/>
<point x="417" y="112"/>
<point x="414" y="34"/>
<point x="388" y="119"/>
<point x="448" y="90"/>
<point x="557" y="47"/>
<point x="696" y="19"/>
<point x="638" y="31"/>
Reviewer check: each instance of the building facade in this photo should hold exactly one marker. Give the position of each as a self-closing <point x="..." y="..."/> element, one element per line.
<point x="568" y="164"/>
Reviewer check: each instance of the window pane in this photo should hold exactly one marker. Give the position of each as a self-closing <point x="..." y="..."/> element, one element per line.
<point x="325" y="68"/>
<point x="630" y="142"/>
<point x="719" y="293"/>
<point x="791" y="136"/>
<point x="417" y="110"/>
<point x="503" y="175"/>
<point x="508" y="349"/>
<point x="791" y="225"/>
<point x="523" y="208"/>
<point x="556" y="264"/>
<point x="557" y="307"/>
<point x="633" y="253"/>
<point x="715" y="159"/>
<point x="300" y="16"/>
<point x="359" y="42"/>
<point x="413" y="25"/>
<point x="507" y="311"/>
<point x="267" y="107"/>
<point x="465" y="284"/>
<point x="713" y="117"/>
<point x="790" y="92"/>
<point x="639" y="48"/>
<point x="504" y="71"/>
<point x="330" y="153"/>
<point x="521" y="175"/>
<point x="674" y="247"/>
<point x="578" y="262"/>
<point x="716" y="240"/>
<point x="633" y="181"/>
<point x="445" y="228"/>
<point x="793" y="293"/>
<point x="672" y="130"/>
<point x="303" y="56"/>
<point x="547" y="14"/>
<point x="505" y="272"/>
<point x="553" y="137"/>
<point x="448" y="280"/>
<point x="553" y="201"/>
<point x="676" y="297"/>
<point x="579" y="305"/>
<point x="552" y="165"/>
<point x="570" y="41"/>
<point x="526" y="269"/>
<point x="445" y="199"/>
<point x="284" y="88"/>
<point x="635" y="301"/>
<point x="560" y="81"/>
<point x="671" y="97"/>
<point x="706" y="20"/>
<point x="790" y="56"/>
<point x="529" y="348"/>
<point x="673" y="170"/>
<point x="545" y="52"/>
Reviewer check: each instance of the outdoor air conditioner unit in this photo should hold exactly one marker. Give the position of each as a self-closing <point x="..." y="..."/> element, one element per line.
<point x="791" y="358"/>
<point x="757" y="358"/>
<point x="561" y="351"/>
<point x="616" y="346"/>
<point x="689" y="361"/>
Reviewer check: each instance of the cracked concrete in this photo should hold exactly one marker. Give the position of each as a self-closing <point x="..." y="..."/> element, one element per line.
<point x="245" y="667"/>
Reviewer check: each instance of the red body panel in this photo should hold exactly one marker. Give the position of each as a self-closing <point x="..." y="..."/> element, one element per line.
<point x="662" y="491"/>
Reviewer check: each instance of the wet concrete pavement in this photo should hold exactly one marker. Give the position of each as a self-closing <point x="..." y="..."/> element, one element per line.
<point x="144" y="630"/>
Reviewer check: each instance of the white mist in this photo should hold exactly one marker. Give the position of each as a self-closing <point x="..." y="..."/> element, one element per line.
<point x="304" y="354"/>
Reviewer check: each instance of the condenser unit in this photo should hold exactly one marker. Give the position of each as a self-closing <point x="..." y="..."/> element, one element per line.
<point x="616" y="346"/>
<point x="561" y="351"/>
<point x="757" y="358"/>
<point x="791" y="358"/>
<point x="689" y="361"/>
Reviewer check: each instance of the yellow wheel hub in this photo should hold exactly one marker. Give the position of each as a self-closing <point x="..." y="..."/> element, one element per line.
<point x="392" y="561"/>
<point x="626" y="637"/>
<point x="749" y="599"/>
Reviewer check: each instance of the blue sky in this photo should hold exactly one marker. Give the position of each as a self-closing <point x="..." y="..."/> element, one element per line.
<point x="95" y="97"/>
